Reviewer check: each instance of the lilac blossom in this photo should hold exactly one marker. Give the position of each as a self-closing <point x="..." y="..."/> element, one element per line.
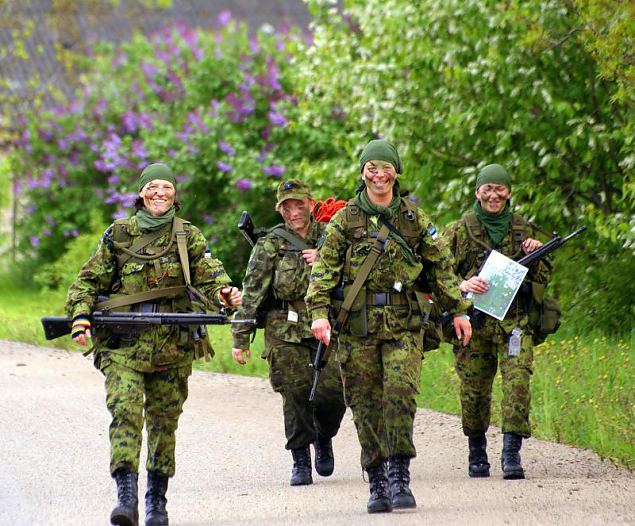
<point x="226" y="148"/>
<point x="223" y="167"/>
<point x="224" y="17"/>
<point x="47" y="232"/>
<point x="274" y="170"/>
<point x="207" y="218"/>
<point x="35" y="241"/>
<point x="264" y="152"/>
<point x="138" y="149"/>
<point x="277" y="119"/>
<point x="129" y="121"/>
<point x="149" y="69"/>
<point x="244" y="184"/>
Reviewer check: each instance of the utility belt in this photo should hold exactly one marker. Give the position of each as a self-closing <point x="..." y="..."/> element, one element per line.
<point x="376" y="299"/>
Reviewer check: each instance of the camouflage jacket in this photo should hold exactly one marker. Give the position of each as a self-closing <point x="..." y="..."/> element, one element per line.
<point x="161" y="346"/>
<point x="432" y="259"/>
<point x="276" y="278"/>
<point x="471" y="251"/>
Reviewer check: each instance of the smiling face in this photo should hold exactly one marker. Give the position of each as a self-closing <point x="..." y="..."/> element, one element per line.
<point x="296" y="213"/>
<point x="380" y="178"/>
<point x="158" y="196"/>
<point x="493" y="197"/>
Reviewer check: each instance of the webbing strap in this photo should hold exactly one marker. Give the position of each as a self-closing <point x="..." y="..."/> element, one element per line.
<point x="131" y="299"/>
<point x="132" y="252"/>
<point x="368" y="264"/>
<point x="294" y="239"/>
<point x="181" y="245"/>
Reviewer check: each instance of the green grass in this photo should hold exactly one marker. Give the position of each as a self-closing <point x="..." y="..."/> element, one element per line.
<point x="582" y="387"/>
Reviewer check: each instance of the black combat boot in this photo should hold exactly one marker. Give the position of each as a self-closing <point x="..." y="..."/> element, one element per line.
<point x="399" y="478"/>
<point x="478" y="465"/>
<point x="510" y="459"/>
<point x="126" y="513"/>
<point x="301" y="473"/>
<point x="379" y="500"/>
<point x="156" y="514"/>
<point x="324" y="460"/>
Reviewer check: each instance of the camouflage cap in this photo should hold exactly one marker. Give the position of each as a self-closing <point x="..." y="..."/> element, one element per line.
<point x="292" y="189"/>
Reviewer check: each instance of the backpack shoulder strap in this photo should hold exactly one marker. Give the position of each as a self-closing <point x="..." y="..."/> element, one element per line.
<point x="292" y="238"/>
<point x="474" y="229"/>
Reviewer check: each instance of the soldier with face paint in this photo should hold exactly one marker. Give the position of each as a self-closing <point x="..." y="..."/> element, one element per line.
<point x="380" y="345"/>
<point x="491" y="224"/>
<point x="276" y="280"/>
<point x="147" y="372"/>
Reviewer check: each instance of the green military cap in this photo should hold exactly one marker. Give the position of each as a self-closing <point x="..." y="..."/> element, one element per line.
<point x="156" y="171"/>
<point x="380" y="150"/>
<point x="494" y="174"/>
<point x="292" y="189"/>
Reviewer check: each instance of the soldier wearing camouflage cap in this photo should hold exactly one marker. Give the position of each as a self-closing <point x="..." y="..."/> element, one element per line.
<point x="275" y="282"/>
<point x="380" y="344"/>
<point x="491" y="224"/>
<point x="146" y="373"/>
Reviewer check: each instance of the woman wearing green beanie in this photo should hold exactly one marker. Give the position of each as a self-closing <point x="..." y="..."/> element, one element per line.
<point x="380" y="345"/>
<point x="138" y="265"/>
<point x="508" y="344"/>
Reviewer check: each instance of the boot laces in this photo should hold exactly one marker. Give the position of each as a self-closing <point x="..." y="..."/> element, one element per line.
<point x="125" y="487"/>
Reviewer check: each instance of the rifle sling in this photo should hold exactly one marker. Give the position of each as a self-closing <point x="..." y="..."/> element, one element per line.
<point x="294" y="239"/>
<point x="131" y="299"/>
<point x="363" y="273"/>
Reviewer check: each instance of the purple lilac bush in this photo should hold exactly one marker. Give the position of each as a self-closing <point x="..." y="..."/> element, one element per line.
<point x="216" y="106"/>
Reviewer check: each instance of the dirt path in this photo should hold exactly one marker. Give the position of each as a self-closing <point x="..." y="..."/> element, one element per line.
<point x="233" y="469"/>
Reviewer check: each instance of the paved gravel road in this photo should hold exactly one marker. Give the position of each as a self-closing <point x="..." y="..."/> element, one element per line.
<point x="233" y="469"/>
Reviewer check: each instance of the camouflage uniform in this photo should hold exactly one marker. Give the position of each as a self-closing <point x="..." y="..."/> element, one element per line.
<point x="156" y="363"/>
<point x="476" y="364"/>
<point x="277" y="278"/>
<point x="381" y="369"/>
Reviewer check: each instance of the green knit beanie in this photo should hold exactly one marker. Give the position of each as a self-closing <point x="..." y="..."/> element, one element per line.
<point x="155" y="171"/>
<point x="494" y="174"/>
<point x="380" y="150"/>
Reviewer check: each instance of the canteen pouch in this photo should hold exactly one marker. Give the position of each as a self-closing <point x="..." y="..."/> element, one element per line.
<point x="357" y="320"/>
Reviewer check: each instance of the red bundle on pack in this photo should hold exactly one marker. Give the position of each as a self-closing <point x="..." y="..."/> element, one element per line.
<point x="323" y="211"/>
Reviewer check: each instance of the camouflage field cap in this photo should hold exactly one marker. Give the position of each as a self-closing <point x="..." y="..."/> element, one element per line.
<point x="292" y="189"/>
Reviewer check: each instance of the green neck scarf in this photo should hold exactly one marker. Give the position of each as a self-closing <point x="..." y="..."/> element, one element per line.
<point x="363" y="201"/>
<point x="147" y="222"/>
<point x="496" y="225"/>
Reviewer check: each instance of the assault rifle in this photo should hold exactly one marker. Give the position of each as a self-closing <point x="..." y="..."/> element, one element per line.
<point x="554" y="243"/>
<point x="321" y="359"/>
<point x="246" y="227"/>
<point x="131" y="322"/>
<point x="546" y="249"/>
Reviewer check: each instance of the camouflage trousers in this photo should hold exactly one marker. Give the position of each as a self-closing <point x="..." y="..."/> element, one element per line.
<point x="476" y="367"/>
<point x="381" y="380"/>
<point x="291" y="376"/>
<point x="159" y="397"/>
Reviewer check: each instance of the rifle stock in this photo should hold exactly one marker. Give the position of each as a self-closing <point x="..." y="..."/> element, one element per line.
<point x="129" y="322"/>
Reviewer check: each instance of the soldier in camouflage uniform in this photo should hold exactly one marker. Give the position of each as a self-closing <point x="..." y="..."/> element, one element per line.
<point x="491" y="225"/>
<point x="275" y="283"/>
<point x="146" y="373"/>
<point x="380" y="346"/>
